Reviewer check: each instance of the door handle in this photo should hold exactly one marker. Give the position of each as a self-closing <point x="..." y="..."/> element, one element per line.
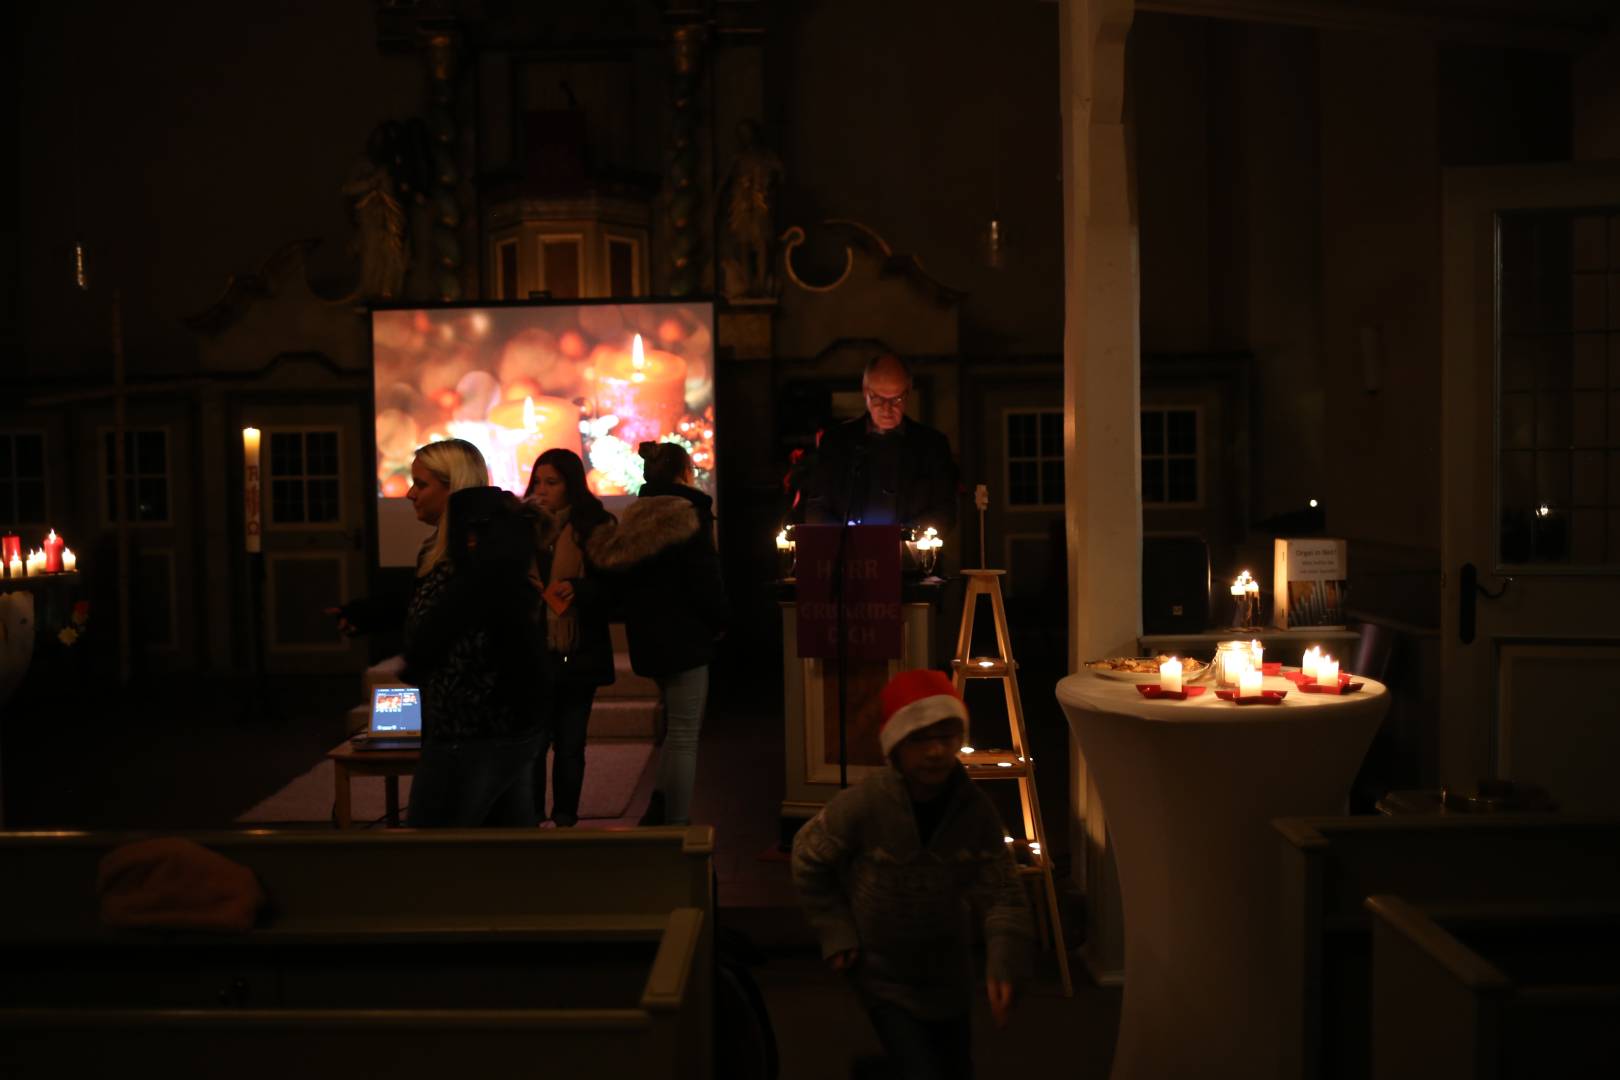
<point x="1469" y="592"/>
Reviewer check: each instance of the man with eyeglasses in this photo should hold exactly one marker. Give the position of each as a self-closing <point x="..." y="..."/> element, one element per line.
<point x="883" y="468"/>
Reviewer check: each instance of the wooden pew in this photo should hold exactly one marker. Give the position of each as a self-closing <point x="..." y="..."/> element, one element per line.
<point x="436" y="953"/>
<point x="1506" y="991"/>
<point x="1331" y="865"/>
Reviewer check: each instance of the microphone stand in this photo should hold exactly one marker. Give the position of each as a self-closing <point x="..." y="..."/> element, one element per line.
<point x="854" y="481"/>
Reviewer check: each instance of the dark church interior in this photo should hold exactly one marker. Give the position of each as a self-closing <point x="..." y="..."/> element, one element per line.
<point x="1124" y="362"/>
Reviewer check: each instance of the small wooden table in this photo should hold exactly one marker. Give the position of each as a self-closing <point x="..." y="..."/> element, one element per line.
<point x="347" y="763"/>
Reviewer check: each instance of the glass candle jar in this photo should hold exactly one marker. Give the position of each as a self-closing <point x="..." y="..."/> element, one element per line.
<point x="1232" y="659"/>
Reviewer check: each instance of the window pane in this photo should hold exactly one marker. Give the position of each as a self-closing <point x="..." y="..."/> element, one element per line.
<point x="31" y="456"/>
<point x="1023" y="477"/>
<point x="321" y="448"/>
<point x="509" y="272"/>
<point x="8" y="507"/>
<point x="107" y="450"/>
<point x="621" y="269"/>
<point x="152" y="500"/>
<point x="1153" y="480"/>
<point x="1183" y="434"/>
<point x="287" y="500"/>
<point x="1052" y="434"/>
<point x="1153" y="433"/>
<point x="30" y="500"/>
<point x="286" y="453"/>
<point x="5" y="455"/>
<point x="1020" y="435"/>
<point x="152" y="452"/>
<point x="1052" y="481"/>
<point x="562" y="268"/>
<point x="323" y="500"/>
<point x="1183" y="480"/>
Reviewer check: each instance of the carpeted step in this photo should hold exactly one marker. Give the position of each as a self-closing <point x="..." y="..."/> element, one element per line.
<point x="624" y="718"/>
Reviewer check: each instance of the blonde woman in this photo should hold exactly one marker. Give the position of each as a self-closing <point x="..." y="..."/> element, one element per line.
<point x="471" y="633"/>
<point x="438" y="470"/>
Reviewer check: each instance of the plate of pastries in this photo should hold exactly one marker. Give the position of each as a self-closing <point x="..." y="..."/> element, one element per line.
<point x="1139" y="669"/>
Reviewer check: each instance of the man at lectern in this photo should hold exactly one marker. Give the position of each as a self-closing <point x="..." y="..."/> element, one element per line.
<point x="883" y="468"/>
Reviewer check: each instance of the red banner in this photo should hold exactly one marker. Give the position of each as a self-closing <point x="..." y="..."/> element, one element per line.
<point x="870" y="594"/>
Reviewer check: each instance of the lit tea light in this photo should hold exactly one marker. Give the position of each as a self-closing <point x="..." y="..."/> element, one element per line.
<point x="1249" y="683"/>
<point x="1327" y="672"/>
<point x="987" y="663"/>
<point x="1170" y="676"/>
<point x="1007" y="839"/>
<point x="967" y="749"/>
<point x="1004" y="764"/>
<point x="70" y="561"/>
<point x="783" y="543"/>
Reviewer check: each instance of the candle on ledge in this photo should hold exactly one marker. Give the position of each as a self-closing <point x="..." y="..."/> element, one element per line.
<point x="250" y="487"/>
<point x="10" y="548"/>
<point x="782" y="541"/>
<point x="1308" y="663"/>
<point x="1327" y="672"/>
<point x="35" y="562"/>
<point x="1249" y="683"/>
<point x="70" y="561"/>
<point x="1170" y="676"/>
<point x="53" y="553"/>
<point x="15" y="565"/>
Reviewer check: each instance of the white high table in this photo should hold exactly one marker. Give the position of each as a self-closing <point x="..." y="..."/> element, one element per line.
<point x="1189" y="789"/>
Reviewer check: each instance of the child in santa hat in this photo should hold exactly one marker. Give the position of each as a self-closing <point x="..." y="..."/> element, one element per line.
<point x="888" y="871"/>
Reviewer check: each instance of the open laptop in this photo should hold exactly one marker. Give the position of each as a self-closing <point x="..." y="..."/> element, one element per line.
<point x="396" y="719"/>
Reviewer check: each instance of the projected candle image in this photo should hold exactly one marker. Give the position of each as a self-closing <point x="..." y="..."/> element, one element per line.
<point x="517" y="380"/>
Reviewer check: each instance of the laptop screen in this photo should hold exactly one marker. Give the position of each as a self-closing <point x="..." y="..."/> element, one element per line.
<point x="396" y="710"/>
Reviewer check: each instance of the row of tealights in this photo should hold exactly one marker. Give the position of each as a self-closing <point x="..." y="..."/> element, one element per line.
<point x="1242" y="668"/>
<point x="54" y="557"/>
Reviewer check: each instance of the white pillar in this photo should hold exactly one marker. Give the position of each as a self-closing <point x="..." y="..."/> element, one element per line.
<point x="1101" y="394"/>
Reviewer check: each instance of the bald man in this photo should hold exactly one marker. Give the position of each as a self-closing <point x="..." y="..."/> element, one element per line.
<point x="883" y="468"/>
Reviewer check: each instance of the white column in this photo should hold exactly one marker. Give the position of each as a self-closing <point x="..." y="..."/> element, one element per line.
<point x="1101" y="392"/>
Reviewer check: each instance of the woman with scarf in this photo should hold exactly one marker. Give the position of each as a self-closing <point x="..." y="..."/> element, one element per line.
<point x="674" y="609"/>
<point x="578" y="651"/>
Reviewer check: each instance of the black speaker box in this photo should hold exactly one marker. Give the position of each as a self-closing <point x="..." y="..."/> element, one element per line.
<point x="1175" y="585"/>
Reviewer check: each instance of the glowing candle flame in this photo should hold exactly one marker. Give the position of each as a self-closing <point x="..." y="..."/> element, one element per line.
<point x="638" y="358"/>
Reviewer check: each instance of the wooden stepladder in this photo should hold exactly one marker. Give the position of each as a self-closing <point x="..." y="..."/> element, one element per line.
<point x="1014" y="763"/>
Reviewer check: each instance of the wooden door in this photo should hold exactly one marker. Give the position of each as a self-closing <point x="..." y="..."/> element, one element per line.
<point x="1531" y="480"/>
<point x="313" y="515"/>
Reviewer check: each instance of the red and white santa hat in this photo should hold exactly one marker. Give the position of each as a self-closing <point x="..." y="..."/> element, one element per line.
<point x="914" y="700"/>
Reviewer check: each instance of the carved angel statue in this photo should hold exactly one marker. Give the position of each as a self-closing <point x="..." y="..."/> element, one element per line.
<point x="380" y="223"/>
<point x="750" y="194"/>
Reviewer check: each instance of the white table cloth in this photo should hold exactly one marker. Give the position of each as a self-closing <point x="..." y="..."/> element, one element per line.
<point x="1189" y="789"/>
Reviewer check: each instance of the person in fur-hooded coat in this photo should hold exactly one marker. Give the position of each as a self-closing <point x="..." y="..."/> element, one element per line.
<point x="662" y="552"/>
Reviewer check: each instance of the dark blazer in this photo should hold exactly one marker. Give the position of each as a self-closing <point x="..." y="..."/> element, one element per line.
<point x="927" y="475"/>
<point x="662" y="554"/>
<point x="591" y="660"/>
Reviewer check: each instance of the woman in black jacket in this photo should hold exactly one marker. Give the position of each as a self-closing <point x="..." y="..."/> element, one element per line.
<point x="470" y="637"/>
<point x="674" y="609"/>
<point x="578" y="650"/>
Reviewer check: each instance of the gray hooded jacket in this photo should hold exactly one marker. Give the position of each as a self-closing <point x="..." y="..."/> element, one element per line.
<point x="866" y="881"/>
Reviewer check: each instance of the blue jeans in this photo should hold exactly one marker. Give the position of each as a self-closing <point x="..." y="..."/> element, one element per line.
<point x="923" y="1049"/>
<point x="476" y="782"/>
<point x="564" y="732"/>
<point x="684" y="695"/>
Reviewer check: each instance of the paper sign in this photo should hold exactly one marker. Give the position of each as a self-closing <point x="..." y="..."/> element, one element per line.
<point x="870" y="593"/>
<point x="559" y="604"/>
